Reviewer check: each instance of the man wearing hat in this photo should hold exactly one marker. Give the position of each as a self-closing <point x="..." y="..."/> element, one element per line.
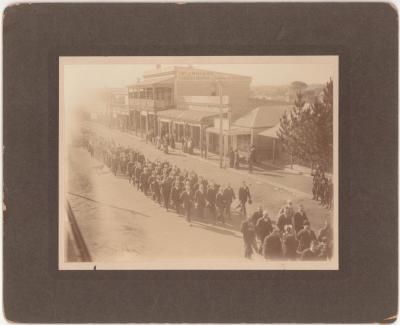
<point x="272" y="246"/>
<point x="249" y="237"/>
<point x="252" y="158"/>
<point x="175" y="195"/>
<point x="229" y="196"/>
<point x="305" y="237"/>
<point x="244" y="197"/>
<point x="257" y="215"/>
<point x="312" y="253"/>
<point x="186" y="200"/>
<point x="298" y="219"/>
<point x="263" y="227"/>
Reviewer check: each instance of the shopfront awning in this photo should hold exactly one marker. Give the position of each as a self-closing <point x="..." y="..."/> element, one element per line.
<point x="232" y="131"/>
<point x="185" y="116"/>
<point x="272" y="132"/>
<point x="167" y="81"/>
<point x="195" y="117"/>
<point x="169" y="115"/>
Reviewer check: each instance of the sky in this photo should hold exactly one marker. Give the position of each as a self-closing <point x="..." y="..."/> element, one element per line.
<point x="115" y="75"/>
<point x="83" y="74"/>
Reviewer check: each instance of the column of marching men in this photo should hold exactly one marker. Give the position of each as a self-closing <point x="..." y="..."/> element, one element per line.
<point x="288" y="237"/>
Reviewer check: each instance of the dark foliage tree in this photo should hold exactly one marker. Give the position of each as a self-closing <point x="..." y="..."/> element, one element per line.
<point x="306" y="132"/>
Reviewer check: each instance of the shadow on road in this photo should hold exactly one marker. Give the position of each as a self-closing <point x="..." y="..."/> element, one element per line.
<point x="110" y="205"/>
<point x="214" y="229"/>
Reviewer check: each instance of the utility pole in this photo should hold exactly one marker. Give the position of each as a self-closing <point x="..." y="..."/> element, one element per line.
<point x="220" y="124"/>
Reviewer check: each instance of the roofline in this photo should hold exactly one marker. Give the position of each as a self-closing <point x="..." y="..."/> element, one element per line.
<point x="174" y="68"/>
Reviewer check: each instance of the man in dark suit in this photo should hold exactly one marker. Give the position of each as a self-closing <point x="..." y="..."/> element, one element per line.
<point x="229" y="196"/>
<point x="186" y="200"/>
<point x="231" y="156"/>
<point x="175" y="196"/>
<point x="166" y="185"/>
<point x="236" y="159"/>
<point x="272" y="246"/>
<point x="244" y="197"/>
<point x="138" y="173"/>
<point x="312" y="253"/>
<point x="130" y="168"/>
<point x="257" y="215"/>
<point x="144" y="177"/>
<point x="210" y="197"/>
<point x="284" y="219"/>
<point x="305" y="237"/>
<point x="249" y="238"/>
<point x="252" y="158"/>
<point x="263" y="227"/>
<point x="220" y="205"/>
<point x="200" y="199"/>
<point x="298" y="219"/>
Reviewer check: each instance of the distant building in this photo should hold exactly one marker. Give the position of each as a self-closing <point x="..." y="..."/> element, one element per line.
<point x="184" y="101"/>
<point x="118" y="109"/>
<point x="245" y="130"/>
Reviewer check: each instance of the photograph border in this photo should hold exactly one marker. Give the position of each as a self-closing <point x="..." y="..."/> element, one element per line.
<point x="196" y="264"/>
<point x="364" y="290"/>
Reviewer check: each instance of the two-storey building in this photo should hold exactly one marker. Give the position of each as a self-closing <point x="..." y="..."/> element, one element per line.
<point x="183" y="101"/>
<point x="118" y="109"/>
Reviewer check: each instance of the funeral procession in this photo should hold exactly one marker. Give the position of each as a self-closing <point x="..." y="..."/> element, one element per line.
<point x="199" y="165"/>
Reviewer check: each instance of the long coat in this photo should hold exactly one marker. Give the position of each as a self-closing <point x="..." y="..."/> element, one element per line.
<point x="175" y="194"/>
<point x="305" y="237"/>
<point x="244" y="194"/>
<point x="263" y="228"/>
<point x="229" y="195"/>
<point x="200" y="199"/>
<point x="272" y="246"/>
<point x="186" y="200"/>
<point x="248" y="231"/>
<point x="211" y="196"/>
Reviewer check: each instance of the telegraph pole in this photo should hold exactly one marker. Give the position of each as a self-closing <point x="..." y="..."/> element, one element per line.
<point x="220" y="124"/>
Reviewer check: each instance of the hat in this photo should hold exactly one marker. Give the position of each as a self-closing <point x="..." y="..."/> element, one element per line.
<point x="306" y="223"/>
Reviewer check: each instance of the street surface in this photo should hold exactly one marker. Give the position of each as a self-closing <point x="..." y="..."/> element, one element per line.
<point x="121" y="225"/>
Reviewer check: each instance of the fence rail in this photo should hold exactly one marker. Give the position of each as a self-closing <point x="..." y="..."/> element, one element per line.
<point x="78" y="238"/>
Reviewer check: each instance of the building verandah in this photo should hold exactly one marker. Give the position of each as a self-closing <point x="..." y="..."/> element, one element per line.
<point x="232" y="137"/>
<point x="146" y="99"/>
<point x="186" y="125"/>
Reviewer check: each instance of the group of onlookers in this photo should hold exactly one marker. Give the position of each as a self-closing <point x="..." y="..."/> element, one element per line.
<point x="288" y="237"/>
<point x="166" y="140"/>
<point x="322" y="188"/>
<point x="235" y="158"/>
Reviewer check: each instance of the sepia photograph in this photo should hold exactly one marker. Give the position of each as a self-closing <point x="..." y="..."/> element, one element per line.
<point x="198" y="163"/>
<point x="205" y="163"/>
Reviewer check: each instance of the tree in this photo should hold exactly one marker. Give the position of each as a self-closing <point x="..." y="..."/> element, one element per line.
<point x="306" y="132"/>
<point x="290" y="127"/>
<point x="298" y="85"/>
<point x="321" y="112"/>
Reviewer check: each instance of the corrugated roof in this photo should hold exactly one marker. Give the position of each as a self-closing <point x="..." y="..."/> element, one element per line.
<point x="172" y="69"/>
<point x="262" y="117"/>
<point x="153" y="81"/>
<point x="170" y="114"/>
<point x="271" y="132"/>
<point x="192" y="116"/>
<point x="189" y="116"/>
<point x="232" y="131"/>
